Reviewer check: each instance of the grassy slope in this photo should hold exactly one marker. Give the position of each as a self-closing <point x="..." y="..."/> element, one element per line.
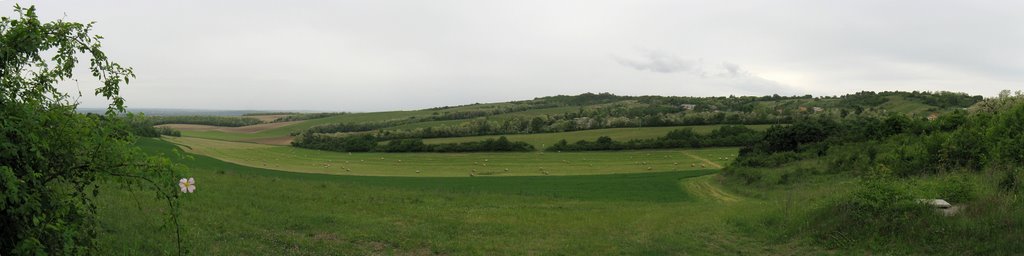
<point x="452" y="164"/>
<point x="542" y="140"/>
<point x="904" y="105"/>
<point x="521" y="114"/>
<point x="896" y="103"/>
<point x="245" y="210"/>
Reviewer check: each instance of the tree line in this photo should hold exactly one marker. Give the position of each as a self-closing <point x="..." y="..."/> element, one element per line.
<point x="600" y="111"/>
<point x="306" y="116"/>
<point x="270" y="113"/>
<point x="577" y="122"/>
<point x="227" y="121"/>
<point x="725" y="136"/>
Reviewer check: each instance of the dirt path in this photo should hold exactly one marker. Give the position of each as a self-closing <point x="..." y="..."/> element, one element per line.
<point x="706" y="161"/>
<point x="702" y="187"/>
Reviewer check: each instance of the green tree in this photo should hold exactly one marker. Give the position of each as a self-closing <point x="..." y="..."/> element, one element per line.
<point x="54" y="160"/>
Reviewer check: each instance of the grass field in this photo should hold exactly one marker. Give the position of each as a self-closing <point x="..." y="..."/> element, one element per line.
<point x="542" y="140"/>
<point x="454" y="164"/>
<point x="904" y="105"/>
<point x="245" y="210"/>
<point x="266" y="199"/>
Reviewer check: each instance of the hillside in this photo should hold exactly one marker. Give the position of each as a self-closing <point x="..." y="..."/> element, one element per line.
<point x="575" y="113"/>
<point x="756" y="175"/>
<point x="863" y="173"/>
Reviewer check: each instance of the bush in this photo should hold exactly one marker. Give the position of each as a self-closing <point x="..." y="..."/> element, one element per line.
<point x="747" y="176"/>
<point x="958" y="189"/>
<point x="907" y="158"/>
<point x="878" y="211"/>
<point x="168" y="131"/>
<point x="769" y="160"/>
<point x="856" y="157"/>
<point x="794" y="176"/>
<point x="1011" y="181"/>
<point x="54" y="160"/>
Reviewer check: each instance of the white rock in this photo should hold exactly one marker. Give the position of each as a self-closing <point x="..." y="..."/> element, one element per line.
<point x="937" y="203"/>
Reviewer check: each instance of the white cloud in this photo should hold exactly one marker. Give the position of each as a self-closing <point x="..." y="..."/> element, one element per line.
<point x="379" y="55"/>
<point x="727" y="74"/>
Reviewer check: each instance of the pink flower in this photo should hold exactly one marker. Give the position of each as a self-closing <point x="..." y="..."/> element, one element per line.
<point x="187" y="185"/>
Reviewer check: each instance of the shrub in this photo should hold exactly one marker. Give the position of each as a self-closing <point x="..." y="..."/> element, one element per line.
<point x="879" y="210"/>
<point x="768" y="160"/>
<point x="957" y="189"/>
<point x="54" y="161"/>
<point x="1011" y="181"/>
<point x="745" y="175"/>
<point x="794" y="176"/>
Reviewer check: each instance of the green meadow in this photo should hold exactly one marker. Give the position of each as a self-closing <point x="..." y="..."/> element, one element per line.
<point x="239" y="209"/>
<point x="258" y="198"/>
<point x="255" y="198"/>
<point x="293" y="159"/>
<point x="864" y="173"/>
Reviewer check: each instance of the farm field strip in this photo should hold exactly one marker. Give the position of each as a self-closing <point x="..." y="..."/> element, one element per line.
<point x="242" y="129"/>
<point x="292" y="159"/>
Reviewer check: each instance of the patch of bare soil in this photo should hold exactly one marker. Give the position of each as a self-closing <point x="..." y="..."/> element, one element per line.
<point x="244" y="129"/>
<point x="267" y="118"/>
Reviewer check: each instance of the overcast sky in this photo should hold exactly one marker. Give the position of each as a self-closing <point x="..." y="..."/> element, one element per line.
<point x="387" y="55"/>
